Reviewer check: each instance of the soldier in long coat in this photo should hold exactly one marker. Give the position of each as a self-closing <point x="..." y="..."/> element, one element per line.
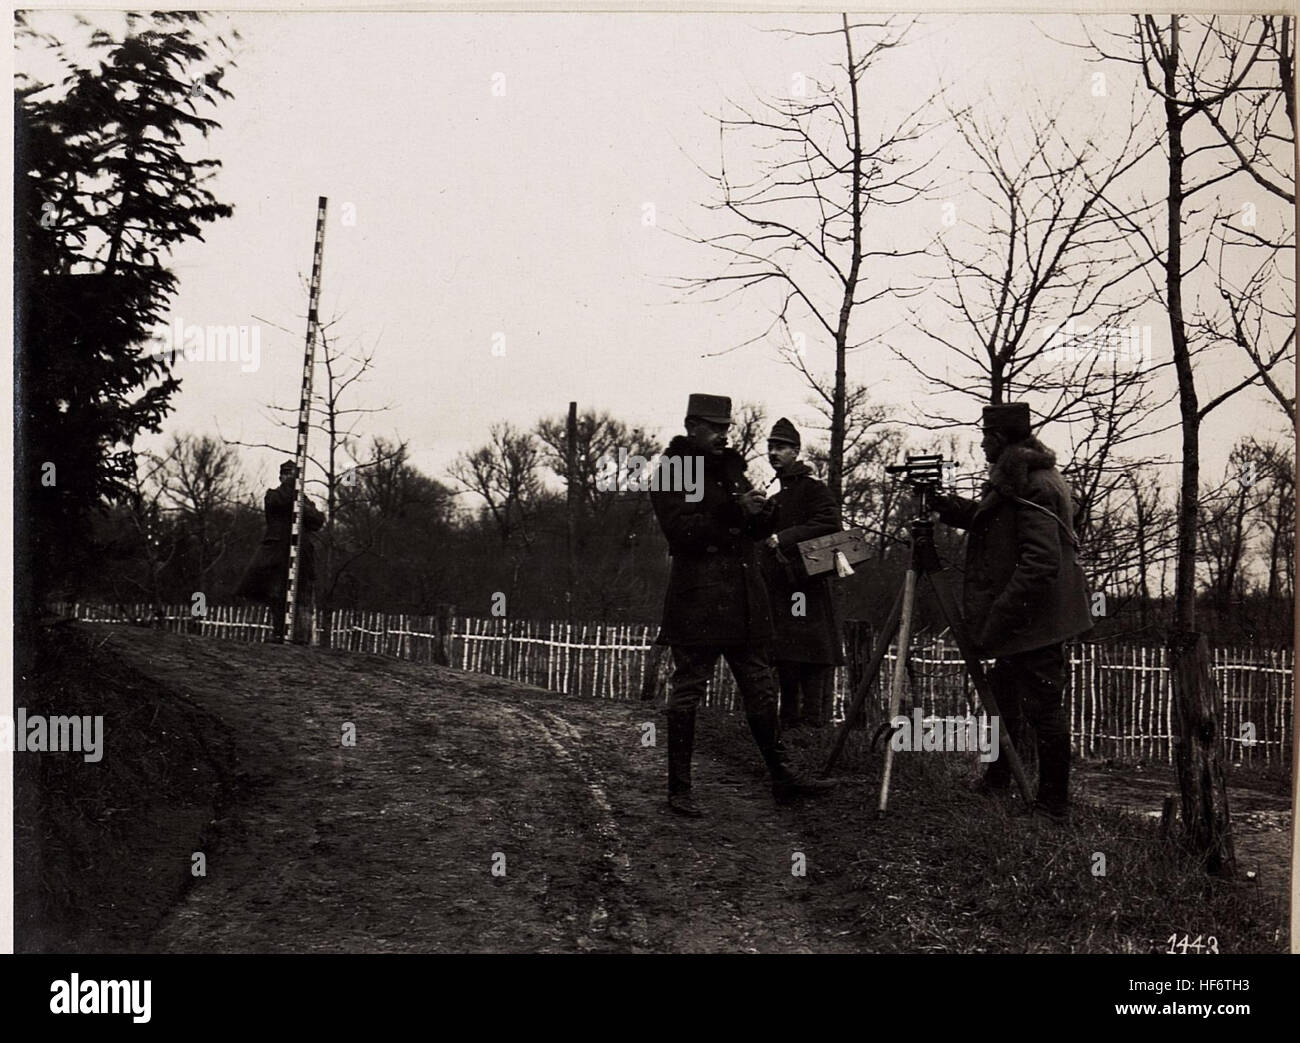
<point x="267" y="577"/>
<point x="716" y="603"/>
<point x="806" y="646"/>
<point x="1024" y="593"/>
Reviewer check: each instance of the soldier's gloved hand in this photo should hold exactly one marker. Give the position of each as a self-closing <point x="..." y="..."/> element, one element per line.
<point x="772" y="542"/>
<point x="751" y="502"/>
<point x="941" y="503"/>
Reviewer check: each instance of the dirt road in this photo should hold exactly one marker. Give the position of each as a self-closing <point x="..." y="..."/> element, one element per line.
<point x="351" y="803"/>
<point x="389" y="845"/>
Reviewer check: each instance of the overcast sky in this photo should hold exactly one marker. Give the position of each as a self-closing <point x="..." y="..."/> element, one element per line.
<point x="524" y="213"/>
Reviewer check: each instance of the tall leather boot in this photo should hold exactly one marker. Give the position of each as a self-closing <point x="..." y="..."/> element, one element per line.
<point x="819" y="695"/>
<point x="997" y="775"/>
<point x="787" y="784"/>
<point x="1054" y="768"/>
<point x="681" y="747"/>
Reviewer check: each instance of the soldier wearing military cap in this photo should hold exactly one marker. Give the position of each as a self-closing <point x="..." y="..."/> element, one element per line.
<point x="806" y="647"/>
<point x="267" y="577"/>
<point x="1024" y="593"/>
<point x="716" y="603"/>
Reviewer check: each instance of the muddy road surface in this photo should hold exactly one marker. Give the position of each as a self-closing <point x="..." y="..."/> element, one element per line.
<point x="399" y="807"/>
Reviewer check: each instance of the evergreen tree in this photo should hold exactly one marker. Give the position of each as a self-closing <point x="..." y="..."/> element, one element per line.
<point x="104" y="192"/>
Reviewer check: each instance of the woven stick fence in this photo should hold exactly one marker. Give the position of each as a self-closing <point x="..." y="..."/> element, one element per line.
<point x="1120" y="697"/>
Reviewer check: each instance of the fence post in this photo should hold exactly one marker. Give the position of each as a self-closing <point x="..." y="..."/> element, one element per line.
<point x="1121" y="697"/>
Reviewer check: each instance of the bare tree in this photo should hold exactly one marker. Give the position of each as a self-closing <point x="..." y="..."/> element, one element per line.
<point x="600" y="438"/>
<point x="1191" y="83"/>
<point x="201" y="484"/>
<point x="1258" y="312"/>
<point x="145" y="507"/>
<point x="1227" y="521"/>
<point x="1255" y="265"/>
<point x="871" y="501"/>
<point x="749" y="431"/>
<point x="1256" y="119"/>
<point x="392" y="523"/>
<point x="1153" y="538"/>
<point x="1277" y="487"/>
<point x="335" y="415"/>
<point x="802" y="220"/>
<point x="1033" y="255"/>
<point x="504" y="473"/>
<point x="1030" y="253"/>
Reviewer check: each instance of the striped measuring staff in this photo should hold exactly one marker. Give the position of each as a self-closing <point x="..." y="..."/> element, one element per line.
<point x="304" y="423"/>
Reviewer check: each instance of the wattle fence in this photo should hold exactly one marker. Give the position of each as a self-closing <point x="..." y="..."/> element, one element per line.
<point x="1120" y="696"/>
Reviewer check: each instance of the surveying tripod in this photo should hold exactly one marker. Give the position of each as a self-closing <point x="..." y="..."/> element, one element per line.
<point x="923" y="474"/>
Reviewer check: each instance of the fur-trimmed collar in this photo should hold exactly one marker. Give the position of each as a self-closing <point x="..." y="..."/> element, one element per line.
<point x="1013" y="466"/>
<point x="729" y="460"/>
<point x="798" y="469"/>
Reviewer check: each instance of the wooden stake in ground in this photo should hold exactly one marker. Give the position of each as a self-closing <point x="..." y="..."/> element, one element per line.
<point x="304" y="419"/>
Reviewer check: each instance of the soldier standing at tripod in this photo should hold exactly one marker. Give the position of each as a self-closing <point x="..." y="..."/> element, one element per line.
<point x="716" y="603"/>
<point x="806" y="646"/>
<point x="1024" y="594"/>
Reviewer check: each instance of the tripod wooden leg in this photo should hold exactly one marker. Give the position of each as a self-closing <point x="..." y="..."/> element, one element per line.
<point x="900" y="676"/>
<point x="868" y="679"/>
<point x="1005" y="747"/>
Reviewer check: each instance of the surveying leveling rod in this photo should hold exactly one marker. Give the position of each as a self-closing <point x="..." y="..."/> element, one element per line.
<point x="304" y="422"/>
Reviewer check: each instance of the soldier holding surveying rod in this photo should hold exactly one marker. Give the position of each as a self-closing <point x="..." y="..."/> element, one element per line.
<point x="267" y="577"/>
<point x="1024" y="594"/>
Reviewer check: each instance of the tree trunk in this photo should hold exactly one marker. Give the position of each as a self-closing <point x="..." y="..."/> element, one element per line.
<point x="1189" y="407"/>
<point x="1199" y="754"/>
<point x="997" y="382"/>
<point x="1275" y="542"/>
<point x="1140" y="534"/>
<point x="1200" y="766"/>
<point x="835" y="465"/>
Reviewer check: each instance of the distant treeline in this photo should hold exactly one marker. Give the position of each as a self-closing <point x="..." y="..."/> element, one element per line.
<point x="494" y="535"/>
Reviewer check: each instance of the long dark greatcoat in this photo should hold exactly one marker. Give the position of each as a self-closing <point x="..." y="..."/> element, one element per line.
<point x="802" y="510"/>
<point x="267" y="576"/>
<point x="1024" y="587"/>
<point x="715" y="591"/>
